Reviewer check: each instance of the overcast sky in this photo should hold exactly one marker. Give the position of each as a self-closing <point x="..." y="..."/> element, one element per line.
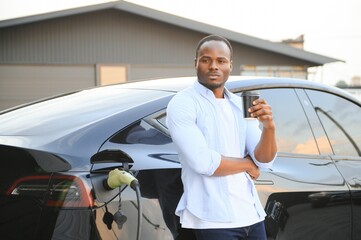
<point x="330" y="27"/>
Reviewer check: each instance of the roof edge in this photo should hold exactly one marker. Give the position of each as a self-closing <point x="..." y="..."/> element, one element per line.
<point x="56" y="14"/>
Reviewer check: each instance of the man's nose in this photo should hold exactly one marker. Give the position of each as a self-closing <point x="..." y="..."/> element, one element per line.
<point x="213" y="65"/>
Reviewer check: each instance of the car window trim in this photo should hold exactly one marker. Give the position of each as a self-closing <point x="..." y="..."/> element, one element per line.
<point x="306" y="156"/>
<point x="314" y="122"/>
<point x="152" y="120"/>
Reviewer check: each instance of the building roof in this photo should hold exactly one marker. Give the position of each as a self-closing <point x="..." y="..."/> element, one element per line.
<point x="237" y="37"/>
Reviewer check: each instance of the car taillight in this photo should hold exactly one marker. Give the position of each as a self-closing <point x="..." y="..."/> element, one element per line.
<point x="63" y="191"/>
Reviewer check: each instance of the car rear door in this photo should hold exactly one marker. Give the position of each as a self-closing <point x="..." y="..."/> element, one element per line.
<point x="341" y="120"/>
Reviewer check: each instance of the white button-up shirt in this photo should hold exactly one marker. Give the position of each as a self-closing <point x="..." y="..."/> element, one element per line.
<point x="193" y="122"/>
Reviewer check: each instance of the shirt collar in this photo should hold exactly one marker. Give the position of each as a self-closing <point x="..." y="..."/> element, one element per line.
<point x="208" y="93"/>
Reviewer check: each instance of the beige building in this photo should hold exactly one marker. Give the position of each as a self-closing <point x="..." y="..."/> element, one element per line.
<point x="64" y="51"/>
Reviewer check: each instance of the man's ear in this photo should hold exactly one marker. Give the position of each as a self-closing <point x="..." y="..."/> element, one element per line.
<point x="195" y="62"/>
<point x="231" y="65"/>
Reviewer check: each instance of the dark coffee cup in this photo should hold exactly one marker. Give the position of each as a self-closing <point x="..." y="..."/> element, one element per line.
<point x="248" y="98"/>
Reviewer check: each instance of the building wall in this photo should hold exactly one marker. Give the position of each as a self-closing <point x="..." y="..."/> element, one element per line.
<point x="38" y="53"/>
<point x="109" y="36"/>
<point x="25" y="83"/>
<point x="114" y="36"/>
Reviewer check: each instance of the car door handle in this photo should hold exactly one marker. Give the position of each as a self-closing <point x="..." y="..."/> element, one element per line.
<point x="263" y="182"/>
<point x="356" y="182"/>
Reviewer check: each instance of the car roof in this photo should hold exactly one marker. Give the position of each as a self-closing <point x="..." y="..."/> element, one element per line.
<point x="96" y="103"/>
<point x="234" y="84"/>
<point x="238" y="83"/>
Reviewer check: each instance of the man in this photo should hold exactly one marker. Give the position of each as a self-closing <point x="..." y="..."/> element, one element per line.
<point x="220" y="152"/>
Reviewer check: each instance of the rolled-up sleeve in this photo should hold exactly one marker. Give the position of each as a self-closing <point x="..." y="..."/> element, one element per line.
<point x="188" y="138"/>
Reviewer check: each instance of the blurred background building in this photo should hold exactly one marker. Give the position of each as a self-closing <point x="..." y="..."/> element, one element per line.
<point x="63" y="51"/>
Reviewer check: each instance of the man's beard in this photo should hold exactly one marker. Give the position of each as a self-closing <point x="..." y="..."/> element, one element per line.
<point x="211" y="85"/>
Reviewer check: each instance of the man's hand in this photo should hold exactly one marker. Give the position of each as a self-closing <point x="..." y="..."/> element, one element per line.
<point x="253" y="171"/>
<point x="263" y="112"/>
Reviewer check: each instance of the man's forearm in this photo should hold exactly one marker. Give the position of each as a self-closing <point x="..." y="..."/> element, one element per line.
<point x="266" y="149"/>
<point x="231" y="165"/>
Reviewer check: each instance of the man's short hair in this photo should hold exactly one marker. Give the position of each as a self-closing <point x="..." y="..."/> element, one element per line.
<point x="214" y="38"/>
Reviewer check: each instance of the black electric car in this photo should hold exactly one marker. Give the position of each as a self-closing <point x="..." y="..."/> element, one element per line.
<point x="55" y="156"/>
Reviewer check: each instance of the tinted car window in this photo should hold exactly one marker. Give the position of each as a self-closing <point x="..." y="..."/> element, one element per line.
<point x="294" y="134"/>
<point x="140" y="132"/>
<point x="341" y="120"/>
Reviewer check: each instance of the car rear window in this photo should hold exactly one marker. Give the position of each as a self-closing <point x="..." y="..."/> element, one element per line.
<point x="74" y="110"/>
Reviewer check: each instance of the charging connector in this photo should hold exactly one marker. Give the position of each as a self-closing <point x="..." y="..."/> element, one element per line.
<point x="117" y="177"/>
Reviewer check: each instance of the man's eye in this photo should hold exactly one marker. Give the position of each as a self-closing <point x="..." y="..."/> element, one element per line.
<point x="204" y="60"/>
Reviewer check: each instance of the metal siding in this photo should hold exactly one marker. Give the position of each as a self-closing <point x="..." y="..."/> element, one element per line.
<point x="114" y="36"/>
<point x="138" y="72"/>
<point x="36" y="58"/>
<point x="22" y="84"/>
<point x="244" y="55"/>
<point x="109" y="36"/>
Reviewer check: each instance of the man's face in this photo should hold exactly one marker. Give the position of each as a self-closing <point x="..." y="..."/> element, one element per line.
<point x="213" y="64"/>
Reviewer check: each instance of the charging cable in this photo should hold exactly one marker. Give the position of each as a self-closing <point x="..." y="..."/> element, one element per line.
<point x="115" y="179"/>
